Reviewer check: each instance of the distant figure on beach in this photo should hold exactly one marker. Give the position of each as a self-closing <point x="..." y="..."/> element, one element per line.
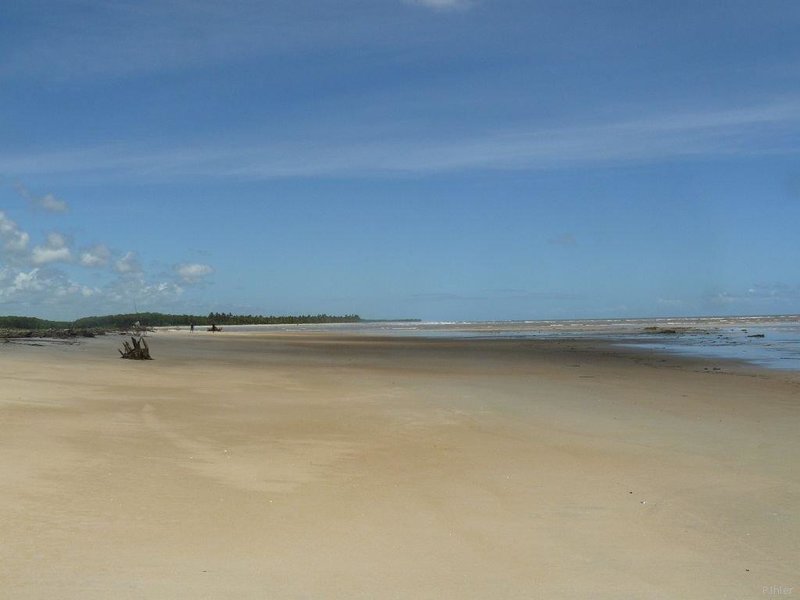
<point x="191" y="327"/>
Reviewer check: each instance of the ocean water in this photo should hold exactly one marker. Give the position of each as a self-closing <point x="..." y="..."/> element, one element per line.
<point x="772" y="342"/>
<point x="779" y="348"/>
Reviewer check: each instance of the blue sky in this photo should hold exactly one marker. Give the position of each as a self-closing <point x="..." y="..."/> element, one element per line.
<point x="440" y="159"/>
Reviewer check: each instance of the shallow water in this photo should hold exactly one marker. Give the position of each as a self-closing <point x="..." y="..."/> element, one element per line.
<point x="721" y="337"/>
<point x="778" y="349"/>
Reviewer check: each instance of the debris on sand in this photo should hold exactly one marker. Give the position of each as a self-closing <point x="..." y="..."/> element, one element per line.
<point x="137" y="350"/>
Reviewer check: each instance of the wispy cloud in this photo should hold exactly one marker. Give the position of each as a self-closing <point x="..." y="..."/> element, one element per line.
<point x="703" y="134"/>
<point x="191" y="273"/>
<point x="442" y="4"/>
<point x="96" y="256"/>
<point x="48" y="202"/>
<point x="150" y="36"/>
<point x="136" y="38"/>
<point x="128" y="264"/>
<point x="761" y="294"/>
<point x="137" y="289"/>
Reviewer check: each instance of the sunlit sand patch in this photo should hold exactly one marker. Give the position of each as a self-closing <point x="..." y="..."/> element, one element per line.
<point x="275" y="465"/>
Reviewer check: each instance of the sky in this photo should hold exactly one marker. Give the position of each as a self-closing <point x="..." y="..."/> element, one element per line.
<point x="433" y="159"/>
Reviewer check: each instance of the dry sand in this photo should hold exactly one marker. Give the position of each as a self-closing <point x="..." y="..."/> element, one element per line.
<point x="279" y="466"/>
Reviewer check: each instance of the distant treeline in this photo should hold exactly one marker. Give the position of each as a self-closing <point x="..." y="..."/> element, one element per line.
<point x="230" y="319"/>
<point x="164" y="320"/>
<point x="31" y="323"/>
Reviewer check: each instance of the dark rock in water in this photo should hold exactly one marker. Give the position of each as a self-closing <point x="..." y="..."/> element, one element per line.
<point x="660" y="330"/>
<point x="673" y="330"/>
<point x="758" y="335"/>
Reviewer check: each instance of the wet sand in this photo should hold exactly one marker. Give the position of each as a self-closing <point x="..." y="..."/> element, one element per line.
<point x="322" y="466"/>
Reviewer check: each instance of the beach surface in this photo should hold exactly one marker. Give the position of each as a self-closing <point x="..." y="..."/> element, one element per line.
<point x="251" y="465"/>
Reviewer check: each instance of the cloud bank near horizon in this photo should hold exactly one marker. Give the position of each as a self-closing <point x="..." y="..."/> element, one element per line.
<point x="51" y="278"/>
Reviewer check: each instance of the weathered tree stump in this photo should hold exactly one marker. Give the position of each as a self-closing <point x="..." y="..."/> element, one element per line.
<point x="137" y="351"/>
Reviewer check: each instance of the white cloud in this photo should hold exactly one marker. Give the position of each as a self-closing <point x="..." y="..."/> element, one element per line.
<point x="47" y="202"/>
<point x="39" y="286"/>
<point x="193" y="272"/>
<point x="56" y="240"/>
<point x="42" y="255"/>
<point x="137" y="290"/>
<point x="128" y="264"/>
<point x="30" y="278"/>
<point x="51" y="291"/>
<point x="13" y="239"/>
<point x="27" y="282"/>
<point x="56" y="249"/>
<point x="96" y="256"/>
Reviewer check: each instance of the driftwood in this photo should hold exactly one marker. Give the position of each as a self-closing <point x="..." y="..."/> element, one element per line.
<point x="138" y="351"/>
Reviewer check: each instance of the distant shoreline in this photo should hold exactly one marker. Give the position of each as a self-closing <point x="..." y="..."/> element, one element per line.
<point x="771" y="342"/>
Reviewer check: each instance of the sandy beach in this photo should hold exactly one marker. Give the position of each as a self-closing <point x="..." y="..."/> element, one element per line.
<point x="322" y="466"/>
